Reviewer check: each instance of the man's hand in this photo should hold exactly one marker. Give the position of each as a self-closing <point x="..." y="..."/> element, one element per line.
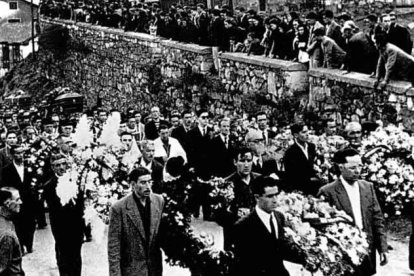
<point x="383" y="259"/>
<point x="373" y="75"/>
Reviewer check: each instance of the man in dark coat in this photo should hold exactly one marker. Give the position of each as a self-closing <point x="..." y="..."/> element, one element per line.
<point x="217" y="30"/>
<point x="221" y="151"/>
<point x="181" y="133"/>
<point x="357" y="198"/>
<point x="152" y="127"/>
<point x="260" y="245"/>
<point x="361" y="53"/>
<point x="397" y="34"/>
<point x="243" y="198"/>
<point x="66" y="221"/>
<point x="333" y="29"/>
<point x="299" y="160"/>
<point x="17" y="176"/>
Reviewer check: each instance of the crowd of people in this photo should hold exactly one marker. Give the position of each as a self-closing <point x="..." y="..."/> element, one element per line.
<point x="317" y="38"/>
<point x="241" y="151"/>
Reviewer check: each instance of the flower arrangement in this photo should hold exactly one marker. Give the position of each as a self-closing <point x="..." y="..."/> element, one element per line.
<point x="331" y="244"/>
<point x="221" y="193"/>
<point x="67" y="188"/>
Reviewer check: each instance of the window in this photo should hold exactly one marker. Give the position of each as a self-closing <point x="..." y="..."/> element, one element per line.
<point x="14" y="20"/>
<point x="13" y="5"/>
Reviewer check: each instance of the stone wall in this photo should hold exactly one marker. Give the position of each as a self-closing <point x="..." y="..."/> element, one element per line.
<point x="351" y="96"/>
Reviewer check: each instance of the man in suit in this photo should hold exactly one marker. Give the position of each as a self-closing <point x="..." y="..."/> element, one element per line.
<point x="357" y="198"/>
<point x="260" y="245"/>
<point x="333" y="29"/>
<point x="221" y="151"/>
<point x="263" y="163"/>
<point x="133" y="235"/>
<point x="66" y="221"/>
<point x="16" y="175"/>
<point x="263" y="125"/>
<point x="314" y="47"/>
<point x="5" y="156"/>
<point x="147" y="161"/>
<point x="181" y="132"/>
<point x="243" y="198"/>
<point x="298" y="160"/>
<point x="397" y="34"/>
<point x="152" y="127"/>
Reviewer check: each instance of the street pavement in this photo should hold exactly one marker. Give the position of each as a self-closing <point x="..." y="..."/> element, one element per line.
<point x="94" y="256"/>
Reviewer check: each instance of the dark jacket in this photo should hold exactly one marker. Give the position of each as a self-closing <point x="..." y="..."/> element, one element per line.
<point x="220" y="157"/>
<point x="400" y="37"/>
<point x="362" y="55"/>
<point x="151" y="130"/>
<point x="198" y="155"/>
<point x="256" y="253"/>
<point x="299" y="169"/>
<point x="182" y="136"/>
<point x="398" y="64"/>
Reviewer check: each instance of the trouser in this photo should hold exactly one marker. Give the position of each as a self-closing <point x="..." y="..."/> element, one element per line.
<point x="69" y="258"/>
<point x="25" y="229"/>
<point x="411" y="244"/>
<point x="41" y="212"/>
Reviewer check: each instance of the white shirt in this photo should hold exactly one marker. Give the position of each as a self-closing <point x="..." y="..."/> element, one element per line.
<point x="223" y="138"/>
<point x="175" y="149"/>
<point x="20" y="170"/>
<point x="145" y="165"/>
<point x="303" y="148"/>
<point x="203" y="130"/>
<point x="265" y="218"/>
<point x="355" y="199"/>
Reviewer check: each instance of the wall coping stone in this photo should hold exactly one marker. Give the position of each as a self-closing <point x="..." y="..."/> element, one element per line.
<point x="284" y="65"/>
<point x="398" y="87"/>
<point x="120" y="32"/>
<point x="204" y="50"/>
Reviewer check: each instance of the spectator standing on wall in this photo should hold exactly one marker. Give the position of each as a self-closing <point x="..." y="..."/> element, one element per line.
<point x="300" y="44"/>
<point x="333" y="30"/>
<point x="397" y="34"/>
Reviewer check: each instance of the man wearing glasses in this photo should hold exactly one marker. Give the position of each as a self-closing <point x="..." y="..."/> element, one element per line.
<point x="357" y="198"/>
<point x="133" y="236"/>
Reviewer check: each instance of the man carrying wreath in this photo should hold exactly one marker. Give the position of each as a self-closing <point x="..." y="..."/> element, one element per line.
<point x="357" y="198"/>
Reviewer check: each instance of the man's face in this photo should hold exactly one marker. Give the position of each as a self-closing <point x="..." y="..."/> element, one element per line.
<point x="142" y="187"/>
<point x="14" y="117"/>
<point x="347" y="34"/>
<point x="138" y="117"/>
<point x="38" y="123"/>
<point x="14" y="203"/>
<point x="132" y="122"/>
<point x="164" y="134"/>
<point x="155" y="113"/>
<point x="48" y="129"/>
<point x="262" y="121"/>
<point x="30" y="134"/>
<point x="175" y="121"/>
<point x="148" y="152"/>
<point x="327" y="20"/>
<point x="351" y="170"/>
<point x="60" y="166"/>
<point x="267" y="201"/>
<point x="18" y="155"/>
<point x="303" y="135"/>
<point x="8" y="122"/>
<point x="244" y="163"/>
<point x="225" y="128"/>
<point x="330" y="128"/>
<point x="11" y="139"/>
<point x="310" y="22"/>
<point x="67" y="130"/>
<point x="354" y="137"/>
<point x="126" y="140"/>
<point x="188" y="120"/>
<point x="257" y="146"/>
<point x="203" y="119"/>
<point x="393" y="19"/>
<point x="102" y="117"/>
<point x="386" y="20"/>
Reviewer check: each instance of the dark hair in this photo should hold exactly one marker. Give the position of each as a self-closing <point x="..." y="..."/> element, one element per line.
<point x="125" y="133"/>
<point x="201" y="111"/>
<point x="328" y="14"/>
<point x="176" y="115"/>
<point x="329" y="120"/>
<point x="185" y="112"/>
<point x="240" y="9"/>
<point x="296" y="128"/>
<point x="11" y="132"/>
<point x="175" y="166"/>
<point x="261" y="113"/>
<point x="259" y="184"/>
<point x="241" y="152"/>
<point x="341" y="155"/>
<point x="311" y="15"/>
<point x="57" y="156"/>
<point x="318" y="32"/>
<point x="163" y="126"/>
<point x="372" y="18"/>
<point x="137" y="173"/>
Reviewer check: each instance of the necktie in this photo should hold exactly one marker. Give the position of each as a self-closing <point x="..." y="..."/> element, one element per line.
<point x="225" y="141"/>
<point x="264" y="137"/>
<point x="272" y="228"/>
